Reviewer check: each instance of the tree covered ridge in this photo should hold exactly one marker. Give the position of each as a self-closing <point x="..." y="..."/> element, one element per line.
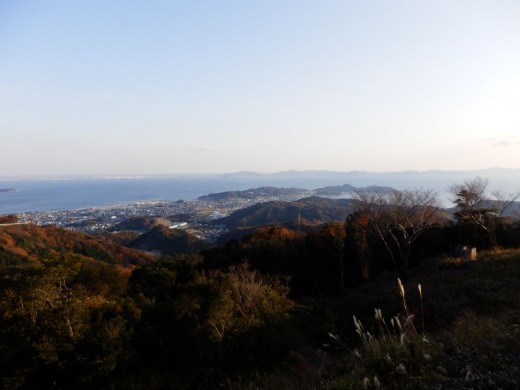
<point x="70" y="318"/>
<point x="313" y="210"/>
<point x="21" y="242"/>
<point x="188" y="321"/>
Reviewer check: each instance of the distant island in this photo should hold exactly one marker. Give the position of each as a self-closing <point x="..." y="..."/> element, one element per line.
<point x="7" y="189"/>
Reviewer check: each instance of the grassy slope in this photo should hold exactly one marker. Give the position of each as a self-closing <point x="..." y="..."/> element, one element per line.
<point x="472" y="328"/>
<point x="471" y="309"/>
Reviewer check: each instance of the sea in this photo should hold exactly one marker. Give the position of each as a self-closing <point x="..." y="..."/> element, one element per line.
<point x="67" y="193"/>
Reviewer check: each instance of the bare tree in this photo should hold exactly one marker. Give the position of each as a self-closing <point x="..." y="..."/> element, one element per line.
<point x="504" y="201"/>
<point x="470" y="197"/>
<point x="336" y="236"/>
<point x="358" y="230"/>
<point x="474" y="205"/>
<point x="398" y="218"/>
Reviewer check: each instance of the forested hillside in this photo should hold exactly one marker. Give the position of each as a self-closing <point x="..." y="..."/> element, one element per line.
<point x="165" y="241"/>
<point x="353" y="304"/>
<point x="313" y="210"/>
<point x="19" y="243"/>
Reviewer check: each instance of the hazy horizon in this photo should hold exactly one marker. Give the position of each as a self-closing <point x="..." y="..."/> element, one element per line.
<point x="483" y="171"/>
<point x="168" y="88"/>
<point x="76" y="192"/>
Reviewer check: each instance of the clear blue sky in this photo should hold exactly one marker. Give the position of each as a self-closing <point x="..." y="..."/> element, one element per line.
<point x="136" y="87"/>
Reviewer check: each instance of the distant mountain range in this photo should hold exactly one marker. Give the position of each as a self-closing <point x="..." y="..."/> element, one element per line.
<point x="472" y="172"/>
<point x="504" y="179"/>
<point x="289" y="173"/>
<point x="493" y="170"/>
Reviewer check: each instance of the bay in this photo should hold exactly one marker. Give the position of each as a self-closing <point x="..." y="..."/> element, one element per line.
<point x="75" y="193"/>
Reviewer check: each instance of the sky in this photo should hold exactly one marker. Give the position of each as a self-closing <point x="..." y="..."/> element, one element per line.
<point x="169" y="87"/>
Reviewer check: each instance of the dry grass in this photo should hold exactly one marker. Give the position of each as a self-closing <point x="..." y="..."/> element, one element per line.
<point x="393" y="355"/>
<point x="453" y="324"/>
<point x="471" y="312"/>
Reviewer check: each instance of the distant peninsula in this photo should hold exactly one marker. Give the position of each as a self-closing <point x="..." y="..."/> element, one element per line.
<point x="7" y="189"/>
<point x="253" y="193"/>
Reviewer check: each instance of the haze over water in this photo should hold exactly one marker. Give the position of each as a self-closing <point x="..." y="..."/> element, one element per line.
<point x="74" y="193"/>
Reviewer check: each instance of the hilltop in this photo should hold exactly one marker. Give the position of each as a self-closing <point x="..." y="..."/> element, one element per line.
<point x="312" y="210"/>
<point x="165" y="241"/>
<point x="28" y="242"/>
<point x="140" y="224"/>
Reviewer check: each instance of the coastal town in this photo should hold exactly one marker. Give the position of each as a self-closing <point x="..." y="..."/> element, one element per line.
<point x="196" y="216"/>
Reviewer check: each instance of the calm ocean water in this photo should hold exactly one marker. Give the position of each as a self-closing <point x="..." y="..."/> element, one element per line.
<point x="63" y="194"/>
